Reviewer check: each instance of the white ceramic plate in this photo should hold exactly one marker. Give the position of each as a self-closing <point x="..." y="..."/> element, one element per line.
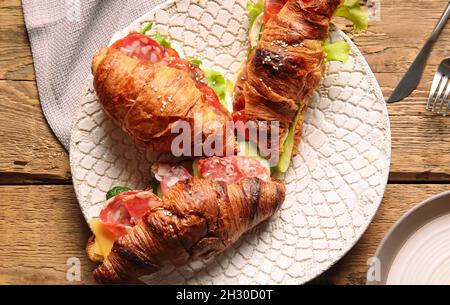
<point x="334" y="187"/>
<point x="416" y="250"/>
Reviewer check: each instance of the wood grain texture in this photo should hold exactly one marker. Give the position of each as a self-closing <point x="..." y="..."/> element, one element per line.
<point x="419" y="138"/>
<point x="29" y="151"/>
<point x="42" y="226"/>
<point x="16" y="62"/>
<point x="390" y="45"/>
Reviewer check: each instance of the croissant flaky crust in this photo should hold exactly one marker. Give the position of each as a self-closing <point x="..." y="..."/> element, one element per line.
<point x="288" y="64"/>
<point x="195" y="220"/>
<point x="146" y="99"/>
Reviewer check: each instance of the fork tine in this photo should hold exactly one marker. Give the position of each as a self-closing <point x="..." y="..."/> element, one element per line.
<point x="445" y="98"/>
<point x="434" y="85"/>
<point x="441" y="89"/>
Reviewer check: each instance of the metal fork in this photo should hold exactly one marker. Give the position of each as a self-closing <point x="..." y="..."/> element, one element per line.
<point x="441" y="81"/>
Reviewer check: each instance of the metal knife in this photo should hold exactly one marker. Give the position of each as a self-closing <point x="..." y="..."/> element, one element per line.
<point x="412" y="77"/>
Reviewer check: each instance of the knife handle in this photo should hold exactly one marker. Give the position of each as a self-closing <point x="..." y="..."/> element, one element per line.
<point x="437" y="30"/>
<point x="423" y="55"/>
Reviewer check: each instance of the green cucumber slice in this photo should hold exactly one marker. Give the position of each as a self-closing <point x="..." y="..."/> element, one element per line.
<point x="286" y="155"/>
<point x="159" y="191"/>
<point x="195" y="171"/>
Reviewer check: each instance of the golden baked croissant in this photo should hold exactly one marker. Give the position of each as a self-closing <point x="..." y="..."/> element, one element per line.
<point x="287" y="66"/>
<point x="196" y="218"/>
<point x="146" y="89"/>
<point x="137" y="232"/>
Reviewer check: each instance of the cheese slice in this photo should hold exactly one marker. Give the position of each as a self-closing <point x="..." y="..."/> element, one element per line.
<point x="104" y="240"/>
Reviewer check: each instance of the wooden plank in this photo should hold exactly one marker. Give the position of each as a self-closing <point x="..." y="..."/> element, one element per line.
<point x="29" y="151"/>
<point x="42" y="226"/>
<point x="388" y="44"/>
<point x="15" y="55"/>
<point x="398" y="199"/>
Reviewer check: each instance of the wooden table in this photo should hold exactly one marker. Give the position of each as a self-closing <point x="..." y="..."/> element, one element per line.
<point x="41" y="225"/>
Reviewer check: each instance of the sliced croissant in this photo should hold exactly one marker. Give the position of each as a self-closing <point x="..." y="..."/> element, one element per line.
<point x="288" y="65"/>
<point x="92" y="252"/>
<point x="146" y="99"/>
<point x="196" y="219"/>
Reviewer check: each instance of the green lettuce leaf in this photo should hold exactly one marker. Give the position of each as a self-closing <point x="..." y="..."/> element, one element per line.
<point x="116" y="191"/>
<point x="254" y="9"/>
<point x="195" y="61"/>
<point x="351" y="10"/>
<point x="155" y="184"/>
<point x="158" y="37"/>
<point x="162" y="40"/>
<point x="337" y="51"/>
<point x="218" y="83"/>
<point x="147" y="28"/>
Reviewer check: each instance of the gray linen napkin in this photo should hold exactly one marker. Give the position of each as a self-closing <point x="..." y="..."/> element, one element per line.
<point x="64" y="34"/>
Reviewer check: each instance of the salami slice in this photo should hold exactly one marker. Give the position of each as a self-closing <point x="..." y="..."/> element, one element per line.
<point x="124" y="210"/>
<point x="232" y="169"/>
<point x="140" y="46"/>
<point x="169" y="174"/>
<point x="219" y="169"/>
<point x="251" y="168"/>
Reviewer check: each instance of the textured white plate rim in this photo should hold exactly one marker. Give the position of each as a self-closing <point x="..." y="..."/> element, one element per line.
<point x="392" y="232"/>
<point x="374" y="85"/>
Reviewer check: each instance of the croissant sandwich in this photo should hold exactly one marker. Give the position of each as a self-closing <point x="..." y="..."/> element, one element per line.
<point x="138" y="233"/>
<point x="147" y="89"/>
<point x="285" y="67"/>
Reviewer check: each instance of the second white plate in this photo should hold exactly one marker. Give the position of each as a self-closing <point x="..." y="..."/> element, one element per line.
<point x="416" y="250"/>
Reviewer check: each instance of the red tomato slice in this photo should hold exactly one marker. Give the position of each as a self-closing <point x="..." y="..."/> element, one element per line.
<point x="172" y="53"/>
<point x="250" y="57"/>
<point x="232" y="169"/>
<point x="140" y="46"/>
<point x="169" y="175"/>
<point x="272" y="8"/>
<point x="212" y="98"/>
<point x="124" y="210"/>
<point x="240" y="116"/>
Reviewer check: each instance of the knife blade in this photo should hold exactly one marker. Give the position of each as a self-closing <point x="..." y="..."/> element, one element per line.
<point x="412" y="77"/>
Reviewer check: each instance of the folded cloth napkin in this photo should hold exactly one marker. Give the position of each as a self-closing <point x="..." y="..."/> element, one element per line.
<point x="64" y="35"/>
